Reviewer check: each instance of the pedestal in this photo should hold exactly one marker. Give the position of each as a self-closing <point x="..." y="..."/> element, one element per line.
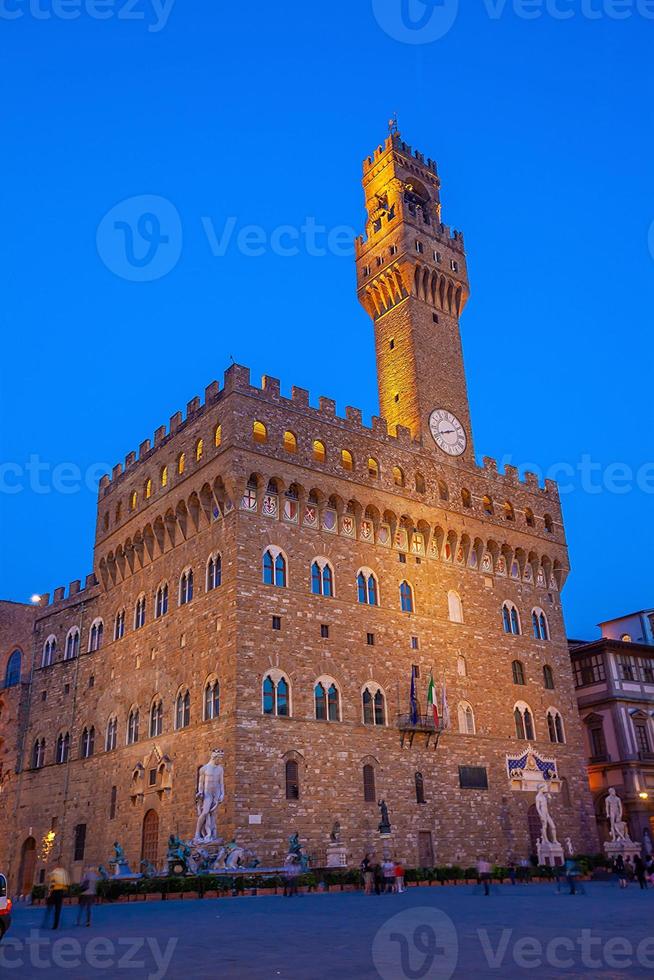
<point x="336" y="856"/>
<point x="387" y="840"/>
<point x="550" y="854"/>
<point x="627" y="849"/>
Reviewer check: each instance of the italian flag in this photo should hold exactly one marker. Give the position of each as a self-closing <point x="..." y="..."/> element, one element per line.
<point x="431" y="699"/>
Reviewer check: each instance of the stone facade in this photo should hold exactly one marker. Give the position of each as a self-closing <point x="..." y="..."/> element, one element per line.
<point x="248" y="470"/>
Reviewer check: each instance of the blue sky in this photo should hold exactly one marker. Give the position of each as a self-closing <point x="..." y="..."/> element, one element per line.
<point x="262" y="113"/>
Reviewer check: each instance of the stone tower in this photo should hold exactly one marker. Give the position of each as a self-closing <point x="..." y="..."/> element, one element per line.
<point x="412" y="280"/>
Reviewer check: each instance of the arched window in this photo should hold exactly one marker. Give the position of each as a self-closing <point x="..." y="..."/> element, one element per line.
<point x="259" y="432"/>
<point x="49" y="650"/>
<point x="133" y="500"/>
<point x="276" y="695"/>
<point x="466" y="718"/>
<point x="327" y="701"/>
<point x="111" y="739"/>
<point x="164" y="476"/>
<point x="549" y="523"/>
<point x="420" y="483"/>
<point x="38" y="754"/>
<point x="161" y="601"/>
<point x="274" y="568"/>
<point x="186" y="587"/>
<point x="466" y="499"/>
<point x="290" y="442"/>
<point x="373" y="468"/>
<point x="509" y="511"/>
<point x="148" y="489"/>
<point x="454" y="607"/>
<point x="529" y="517"/>
<point x="214" y="572"/>
<point x="374" y="706"/>
<point x="555" y="726"/>
<point x="540" y="625"/>
<point x="511" y="619"/>
<point x="95" y="635"/>
<point x="420" y="788"/>
<point x="183" y="710"/>
<point x="322" y="578"/>
<point x="139" y="613"/>
<point x="367" y="589"/>
<point x="319" y="451"/>
<point x="218" y="436"/>
<point x="199" y="450"/>
<point x="156" y="718"/>
<point x="461" y="667"/>
<point x="87" y="743"/>
<point x="292" y="780"/>
<point x="524" y="722"/>
<point x="369" y="791"/>
<point x="62" y="752"/>
<point x="211" y="700"/>
<point x="181" y="464"/>
<point x="518" y="672"/>
<point x="443" y="491"/>
<point x="406" y="597"/>
<point x="133" y="726"/>
<point x="548" y="678"/>
<point x="119" y="625"/>
<point x="14" y="667"/>
<point x="119" y="512"/>
<point x="398" y="476"/>
<point x="347" y="461"/>
<point x="72" y="644"/>
<point x="487" y="506"/>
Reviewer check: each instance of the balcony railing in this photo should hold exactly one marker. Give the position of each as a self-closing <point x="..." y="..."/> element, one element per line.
<point x="422" y="725"/>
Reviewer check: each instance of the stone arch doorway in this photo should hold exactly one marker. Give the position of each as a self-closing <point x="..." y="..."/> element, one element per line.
<point x="535" y="828"/>
<point x="27" y="866"/>
<point x="150" y="838"/>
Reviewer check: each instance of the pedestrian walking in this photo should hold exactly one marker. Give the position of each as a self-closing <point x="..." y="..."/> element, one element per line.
<point x="290" y="878"/>
<point x="368" y="875"/>
<point x="399" y="878"/>
<point x="620" y="871"/>
<point x="572" y="872"/>
<point x="87" y="897"/>
<point x="484" y="870"/>
<point x="512" y="873"/>
<point x="58" y="885"/>
<point x="639" y="869"/>
<point x="389" y="876"/>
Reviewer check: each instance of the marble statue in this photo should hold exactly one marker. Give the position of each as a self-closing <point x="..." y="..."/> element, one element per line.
<point x="647" y="842"/>
<point x="622" y="831"/>
<point x="542" y="808"/>
<point x="539" y="851"/>
<point x="335" y="835"/>
<point x="614" y="813"/>
<point x="385" y="824"/>
<point x="210" y="794"/>
<point x="568" y="844"/>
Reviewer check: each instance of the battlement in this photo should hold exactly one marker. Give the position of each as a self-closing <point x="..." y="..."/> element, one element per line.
<point x="395" y="141"/>
<point x="448" y="236"/>
<point x="74" y="593"/>
<point x="237" y="381"/>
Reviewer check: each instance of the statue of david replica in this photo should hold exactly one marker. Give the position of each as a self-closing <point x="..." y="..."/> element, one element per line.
<point x="209" y="796"/>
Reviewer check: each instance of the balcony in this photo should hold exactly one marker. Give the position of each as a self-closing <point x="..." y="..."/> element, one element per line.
<point x="646" y="756"/>
<point x="423" y="725"/>
<point x="595" y="760"/>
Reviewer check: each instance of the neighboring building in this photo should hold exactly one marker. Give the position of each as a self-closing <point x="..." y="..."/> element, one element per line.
<point x="614" y="678"/>
<point x="267" y="577"/>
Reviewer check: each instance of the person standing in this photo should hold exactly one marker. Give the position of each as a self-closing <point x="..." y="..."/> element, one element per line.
<point x="620" y="870"/>
<point x="368" y="876"/>
<point x="89" y="890"/>
<point x="484" y="871"/>
<point x="399" y="878"/>
<point x="389" y="876"/>
<point x="378" y="878"/>
<point x="58" y="884"/>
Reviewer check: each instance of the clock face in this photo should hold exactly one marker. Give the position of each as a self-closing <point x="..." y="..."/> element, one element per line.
<point x="449" y="435"/>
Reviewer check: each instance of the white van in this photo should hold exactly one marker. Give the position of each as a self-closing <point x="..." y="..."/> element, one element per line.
<point x="5" y="907"/>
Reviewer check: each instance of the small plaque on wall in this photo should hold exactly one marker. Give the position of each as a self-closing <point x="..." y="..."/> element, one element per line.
<point x="255" y="818"/>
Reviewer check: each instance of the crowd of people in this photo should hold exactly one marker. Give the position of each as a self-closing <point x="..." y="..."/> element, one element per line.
<point x="382" y="877"/>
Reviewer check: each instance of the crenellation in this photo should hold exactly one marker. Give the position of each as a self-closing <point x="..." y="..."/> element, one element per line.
<point x="490" y="465"/>
<point x="160" y="435"/>
<point x="511" y="474"/>
<point x="116" y="471"/>
<point x="144" y="448"/>
<point x="176" y="422"/>
<point x="193" y="407"/>
<point x="211" y="393"/>
<point x="327" y="407"/>
<point x="236" y="376"/>
<point x="59" y="594"/>
<point x="299" y="397"/>
<point x="271" y="386"/>
<point x="130" y="460"/>
<point x="74" y="588"/>
<point x="354" y="415"/>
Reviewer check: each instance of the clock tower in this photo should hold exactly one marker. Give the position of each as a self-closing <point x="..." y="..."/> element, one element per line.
<point x="412" y="280"/>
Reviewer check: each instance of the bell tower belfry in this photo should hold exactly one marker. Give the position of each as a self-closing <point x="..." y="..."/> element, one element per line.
<point x="412" y="280"/>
